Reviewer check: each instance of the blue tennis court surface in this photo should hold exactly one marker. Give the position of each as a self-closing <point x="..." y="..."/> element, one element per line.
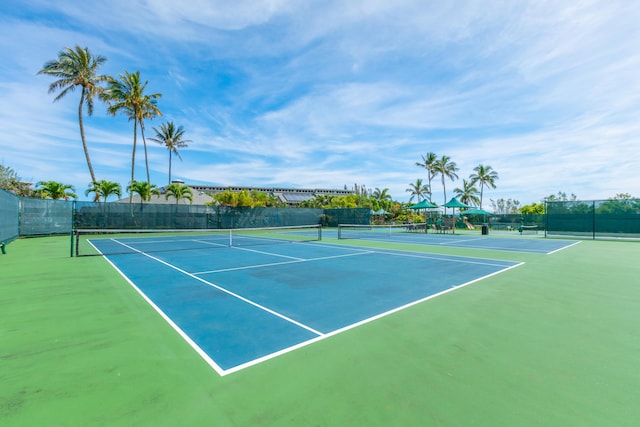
<point x="238" y="306"/>
<point x="512" y="244"/>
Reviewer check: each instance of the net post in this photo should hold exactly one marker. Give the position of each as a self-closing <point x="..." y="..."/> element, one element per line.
<point x="230" y="238"/>
<point x="319" y="232"/>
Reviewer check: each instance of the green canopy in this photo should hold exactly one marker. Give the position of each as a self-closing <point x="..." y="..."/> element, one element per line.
<point x="425" y="204"/>
<point x="476" y="211"/>
<point x="455" y="203"/>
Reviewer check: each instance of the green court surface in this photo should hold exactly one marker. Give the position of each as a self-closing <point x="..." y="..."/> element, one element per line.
<point x="554" y="342"/>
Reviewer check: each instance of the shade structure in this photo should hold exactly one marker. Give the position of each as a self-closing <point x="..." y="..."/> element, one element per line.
<point x="476" y="211"/>
<point x="425" y="204"/>
<point x="455" y="203"/>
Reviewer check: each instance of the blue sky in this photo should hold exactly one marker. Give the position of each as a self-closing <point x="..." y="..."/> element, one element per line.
<point x="323" y="94"/>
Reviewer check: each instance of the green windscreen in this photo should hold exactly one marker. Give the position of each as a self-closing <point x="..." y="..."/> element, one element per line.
<point x="595" y="218"/>
<point x="9" y="216"/>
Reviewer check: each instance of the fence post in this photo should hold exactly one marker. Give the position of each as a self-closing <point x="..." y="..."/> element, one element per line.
<point x="593" y="218"/>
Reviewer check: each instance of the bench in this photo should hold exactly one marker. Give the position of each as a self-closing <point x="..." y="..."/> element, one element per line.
<point x="443" y="226"/>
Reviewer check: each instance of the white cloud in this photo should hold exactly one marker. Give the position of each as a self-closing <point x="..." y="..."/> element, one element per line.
<point x="333" y="93"/>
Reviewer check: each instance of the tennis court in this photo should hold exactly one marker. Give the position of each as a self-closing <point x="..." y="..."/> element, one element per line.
<point x="412" y="235"/>
<point x="261" y="296"/>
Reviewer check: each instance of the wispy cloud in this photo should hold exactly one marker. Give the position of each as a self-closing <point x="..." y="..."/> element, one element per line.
<point x="332" y="93"/>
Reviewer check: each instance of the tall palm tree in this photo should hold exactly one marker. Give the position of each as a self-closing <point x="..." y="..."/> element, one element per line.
<point x="171" y="137"/>
<point x="77" y="68"/>
<point x="179" y="191"/>
<point x="127" y="96"/>
<point x="55" y="190"/>
<point x="468" y="194"/>
<point x="103" y="189"/>
<point x="143" y="189"/>
<point x="429" y="162"/>
<point x="418" y="189"/>
<point x="485" y="175"/>
<point x="446" y="169"/>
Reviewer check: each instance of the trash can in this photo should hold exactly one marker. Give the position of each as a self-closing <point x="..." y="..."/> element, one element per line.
<point x="485" y="229"/>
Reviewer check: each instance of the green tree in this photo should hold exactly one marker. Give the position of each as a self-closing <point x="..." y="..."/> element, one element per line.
<point x="468" y="194"/>
<point x="485" y="175"/>
<point x="379" y="194"/>
<point x="103" y="189"/>
<point x="418" y="189"/>
<point x="55" y="190"/>
<point x="171" y="137"/>
<point x="429" y="162"/>
<point x="534" y="208"/>
<point x="446" y="169"/>
<point x="10" y="181"/>
<point x="127" y="96"/>
<point x="77" y="68"/>
<point x="143" y="189"/>
<point x="179" y="191"/>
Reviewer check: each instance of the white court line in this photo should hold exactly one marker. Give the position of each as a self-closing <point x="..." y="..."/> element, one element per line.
<point x="320" y="336"/>
<point x="300" y="260"/>
<point x="168" y="319"/>
<point x="268" y="253"/>
<point x="563" y="248"/>
<point x="220" y="288"/>
<point x="460" y="258"/>
<point x="361" y="322"/>
<point x="465" y="260"/>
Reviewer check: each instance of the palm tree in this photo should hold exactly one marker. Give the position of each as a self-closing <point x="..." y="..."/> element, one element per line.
<point x="127" y="96"/>
<point x="143" y="189"/>
<point x="179" y="191"/>
<point x="104" y="189"/>
<point x="73" y="68"/>
<point x="170" y="137"/>
<point x="429" y="162"/>
<point x="446" y="169"/>
<point x="55" y="190"/>
<point x="485" y="175"/>
<point x="418" y="189"/>
<point x="468" y="194"/>
<point x="381" y="195"/>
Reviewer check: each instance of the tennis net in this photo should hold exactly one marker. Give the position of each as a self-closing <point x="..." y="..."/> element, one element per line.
<point x="357" y="231"/>
<point x="110" y="242"/>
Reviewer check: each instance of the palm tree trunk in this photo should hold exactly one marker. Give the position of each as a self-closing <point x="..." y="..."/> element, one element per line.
<point x="84" y="142"/>
<point x="169" y="166"/>
<point x="445" y="193"/>
<point x="146" y="158"/>
<point x="133" y="158"/>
